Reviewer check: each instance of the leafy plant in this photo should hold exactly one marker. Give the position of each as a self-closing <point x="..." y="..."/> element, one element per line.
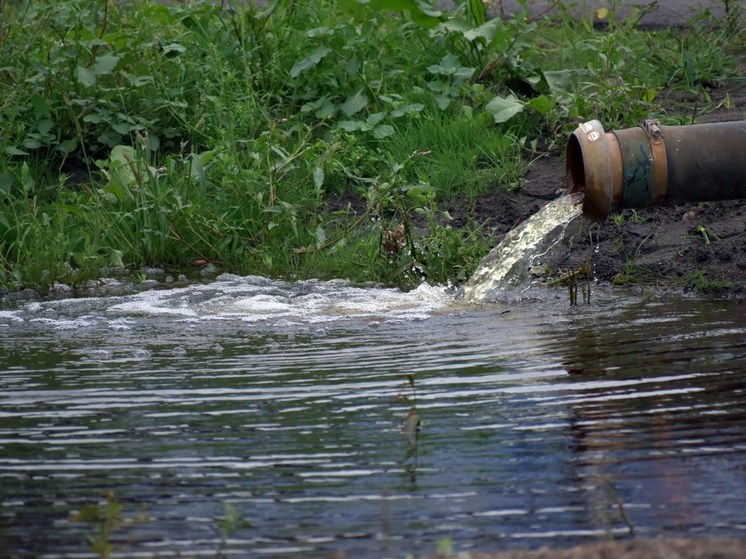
<point x="106" y="518"/>
<point x="705" y="232"/>
<point x="231" y="521"/>
<point x="702" y="283"/>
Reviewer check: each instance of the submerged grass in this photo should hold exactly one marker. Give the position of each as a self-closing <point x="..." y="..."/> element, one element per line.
<point x="299" y="139"/>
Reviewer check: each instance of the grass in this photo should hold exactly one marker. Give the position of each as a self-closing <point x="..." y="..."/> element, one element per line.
<point x="700" y="282"/>
<point x="153" y="134"/>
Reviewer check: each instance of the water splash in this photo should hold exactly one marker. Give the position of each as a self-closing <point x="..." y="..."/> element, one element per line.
<point x="503" y="275"/>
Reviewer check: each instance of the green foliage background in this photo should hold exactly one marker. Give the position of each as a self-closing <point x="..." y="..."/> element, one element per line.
<point x="303" y="139"/>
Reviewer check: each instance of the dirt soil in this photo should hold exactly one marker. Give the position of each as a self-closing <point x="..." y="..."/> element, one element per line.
<point x="698" y="246"/>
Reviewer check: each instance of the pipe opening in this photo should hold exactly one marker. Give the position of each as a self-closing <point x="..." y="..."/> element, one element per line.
<point x="575" y="167"/>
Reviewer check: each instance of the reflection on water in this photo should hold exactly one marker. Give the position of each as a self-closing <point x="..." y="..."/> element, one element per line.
<point x="547" y="424"/>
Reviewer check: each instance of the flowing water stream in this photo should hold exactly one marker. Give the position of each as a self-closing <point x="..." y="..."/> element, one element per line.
<point x="505" y="273"/>
<point x="281" y="404"/>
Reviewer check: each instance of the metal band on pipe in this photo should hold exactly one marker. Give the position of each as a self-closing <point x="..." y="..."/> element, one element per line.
<point x="660" y="161"/>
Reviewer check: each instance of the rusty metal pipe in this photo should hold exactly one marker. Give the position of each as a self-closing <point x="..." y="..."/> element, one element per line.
<point x="655" y="164"/>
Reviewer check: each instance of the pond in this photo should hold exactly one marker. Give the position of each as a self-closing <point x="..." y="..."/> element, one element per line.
<point x="259" y="418"/>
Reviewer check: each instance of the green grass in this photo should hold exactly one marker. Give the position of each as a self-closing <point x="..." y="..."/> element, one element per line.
<point x="700" y="282"/>
<point x="463" y="156"/>
<point x="153" y="134"/>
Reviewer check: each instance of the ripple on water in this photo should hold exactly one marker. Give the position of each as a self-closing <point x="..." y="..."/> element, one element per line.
<point x="546" y="424"/>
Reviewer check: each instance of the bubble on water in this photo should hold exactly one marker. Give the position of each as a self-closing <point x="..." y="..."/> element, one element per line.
<point x="64" y="324"/>
<point x="142" y="353"/>
<point x="34" y="306"/>
<point x="119" y="326"/>
<point x="98" y="355"/>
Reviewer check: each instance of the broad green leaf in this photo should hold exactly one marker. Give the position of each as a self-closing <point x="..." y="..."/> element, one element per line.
<point x="13" y="150"/>
<point x="560" y="81"/>
<point x="121" y="156"/>
<point x="455" y="25"/>
<point x="462" y="74"/>
<point x="44" y="126"/>
<point x="503" y="108"/>
<point x="94" y="118"/>
<point x="350" y="125"/>
<point x="119" y="171"/>
<point x="174" y="49"/>
<point x="354" y="103"/>
<point x="486" y="31"/>
<point x="40" y="106"/>
<point x="407" y="109"/>
<point x="541" y="104"/>
<point x="383" y="131"/>
<point x="447" y="66"/>
<point x="375" y="118"/>
<point x="320" y="32"/>
<point x="320" y="235"/>
<point x="353" y="65"/>
<point x="436" y="85"/>
<point x="138" y="81"/>
<point x="326" y="108"/>
<point x="109" y="138"/>
<point x="443" y="101"/>
<point x="315" y="56"/>
<point x="318" y="177"/>
<point x="122" y="127"/>
<point x="105" y="64"/>
<point x="85" y="76"/>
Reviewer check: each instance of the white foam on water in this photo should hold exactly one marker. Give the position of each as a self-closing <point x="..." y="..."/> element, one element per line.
<point x="64" y="324"/>
<point x="11" y="316"/>
<point x="284" y="304"/>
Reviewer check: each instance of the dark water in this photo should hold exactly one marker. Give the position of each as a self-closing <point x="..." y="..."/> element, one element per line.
<point x="548" y="424"/>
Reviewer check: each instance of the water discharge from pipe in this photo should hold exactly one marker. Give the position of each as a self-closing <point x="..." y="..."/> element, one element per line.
<point x="505" y="273"/>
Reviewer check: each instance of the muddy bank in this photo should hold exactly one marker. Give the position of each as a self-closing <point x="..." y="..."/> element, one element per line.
<point x="669" y="548"/>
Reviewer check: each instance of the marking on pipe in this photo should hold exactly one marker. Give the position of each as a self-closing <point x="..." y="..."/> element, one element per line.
<point x="593" y="136"/>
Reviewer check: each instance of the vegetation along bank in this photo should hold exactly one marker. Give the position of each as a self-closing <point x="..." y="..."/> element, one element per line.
<point x="385" y="142"/>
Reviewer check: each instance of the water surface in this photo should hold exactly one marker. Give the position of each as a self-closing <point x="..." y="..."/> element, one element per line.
<point x="542" y="423"/>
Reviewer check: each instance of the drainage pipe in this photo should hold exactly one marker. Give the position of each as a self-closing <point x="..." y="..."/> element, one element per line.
<point x="655" y="164"/>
